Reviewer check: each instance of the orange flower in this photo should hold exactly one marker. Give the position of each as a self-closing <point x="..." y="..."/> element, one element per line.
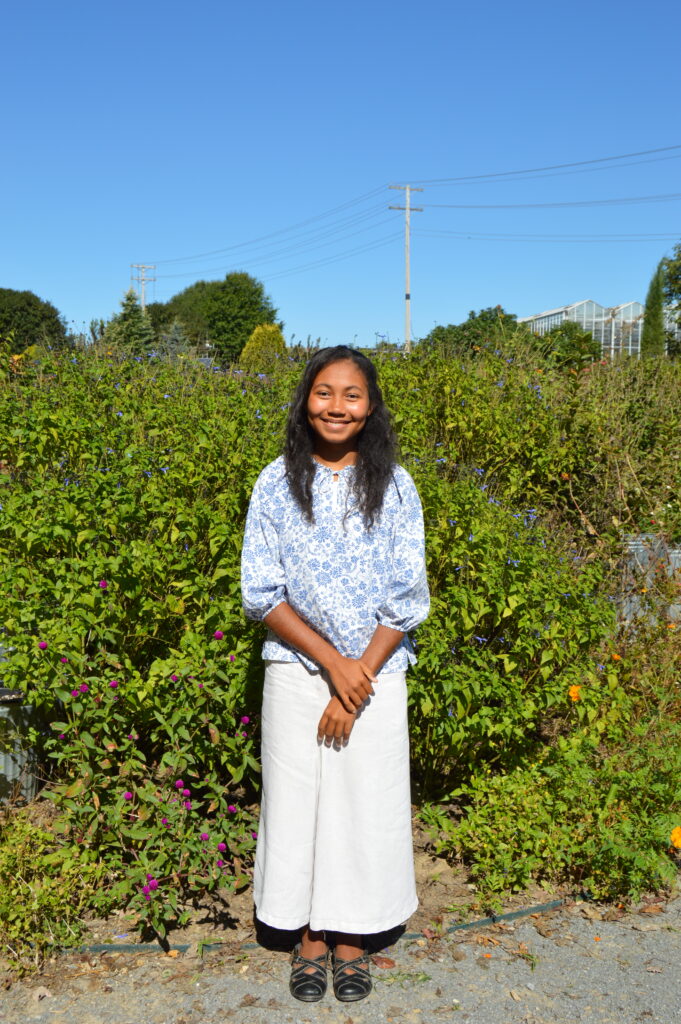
<point x="597" y="938"/>
<point x="575" y="692"/>
<point x="617" y="657"/>
<point x="676" y="837"/>
<point x="671" y="625"/>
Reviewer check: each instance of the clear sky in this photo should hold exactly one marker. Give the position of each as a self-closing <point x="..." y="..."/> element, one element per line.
<point x="156" y="132"/>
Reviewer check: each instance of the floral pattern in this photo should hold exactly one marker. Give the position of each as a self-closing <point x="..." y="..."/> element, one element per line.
<point x="341" y="578"/>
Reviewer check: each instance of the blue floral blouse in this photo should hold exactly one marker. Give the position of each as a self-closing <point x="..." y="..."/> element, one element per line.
<point x="341" y="578"/>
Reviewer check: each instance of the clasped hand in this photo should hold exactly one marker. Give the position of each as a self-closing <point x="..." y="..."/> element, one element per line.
<point x="352" y="680"/>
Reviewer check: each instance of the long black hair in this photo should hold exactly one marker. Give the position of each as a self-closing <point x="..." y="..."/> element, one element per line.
<point x="376" y="444"/>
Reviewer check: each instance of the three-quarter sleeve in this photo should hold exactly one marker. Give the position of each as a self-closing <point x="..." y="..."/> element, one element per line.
<point x="263" y="582"/>
<point x="407" y="601"/>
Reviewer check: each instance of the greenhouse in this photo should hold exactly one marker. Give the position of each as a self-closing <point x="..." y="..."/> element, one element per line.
<point x="617" y="328"/>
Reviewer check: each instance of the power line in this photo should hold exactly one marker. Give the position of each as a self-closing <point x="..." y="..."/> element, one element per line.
<point x="657" y="236"/>
<point x="280" y="231"/>
<point x="357" y="250"/>
<point x="306" y="246"/>
<point x="549" y="239"/>
<point x="623" y="201"/>
<point x="334" y="259"/>
<point x="549" y="167"/>
<point x="555" y="174"/>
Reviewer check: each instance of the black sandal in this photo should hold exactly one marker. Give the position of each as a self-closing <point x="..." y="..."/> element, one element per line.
<point x="308" y="986"/>
<point x="351" y="979"/>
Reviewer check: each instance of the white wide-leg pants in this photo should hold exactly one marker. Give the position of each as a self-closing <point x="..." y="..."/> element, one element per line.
<point x="334" y="842"/>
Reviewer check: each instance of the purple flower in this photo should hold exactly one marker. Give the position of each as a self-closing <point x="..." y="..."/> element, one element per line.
<point x="222" y="847"/>
<point x="205" y="837"/>
<point x="164" y="821"/>
<point x="232" y="809"/>
<point x="254" y="835"/>
<point x="74" y="693"/>
<point x="186" y="792"/>
<point x="219" y="863"/>
<point x="200" y="686"/>
<point x="245" y="719"/>
<point x="179" y="784"/>
<point x="83" y="687"/>
<point x="232" y="658"/>
<point x="63" y="660"/>
<point x="146" y="890"/>
<point x="244" y="735"/>
<point x="174" y="678"/>
<point x="43" y="645"/>
<point x="153" y="884"/>
<point x="218" y="634"/>
<point x="62" y="736"/>
<point x="103" y="584"/>
<point x="127" y="795"/>
<point x="113" y="684"/>
<point x="188" y="805"/>
<point x="147" y="895"/>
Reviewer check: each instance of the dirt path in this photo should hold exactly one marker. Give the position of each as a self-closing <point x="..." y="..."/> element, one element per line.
<point x="580" y="963"/>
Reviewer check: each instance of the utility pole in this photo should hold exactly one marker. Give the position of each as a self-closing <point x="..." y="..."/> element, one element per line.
<point x="142" y="279"/>
<point x="408" y="189"/>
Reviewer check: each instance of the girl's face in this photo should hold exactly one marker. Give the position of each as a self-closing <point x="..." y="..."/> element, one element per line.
<point x="338" y="407"/>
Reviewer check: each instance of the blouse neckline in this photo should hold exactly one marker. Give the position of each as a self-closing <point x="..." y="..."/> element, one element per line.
<point x="330" y="469"/>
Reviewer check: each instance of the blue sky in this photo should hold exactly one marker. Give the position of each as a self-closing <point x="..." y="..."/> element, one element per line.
<point x="156" y="132"/>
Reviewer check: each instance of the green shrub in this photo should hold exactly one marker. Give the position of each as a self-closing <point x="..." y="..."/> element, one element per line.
<point x="264" y="348"/>
<point x="124" y="487"/>
<point x="45" y="888"/>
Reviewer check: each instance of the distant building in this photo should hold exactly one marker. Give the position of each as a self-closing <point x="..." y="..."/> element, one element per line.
<point x="617" y="328"/>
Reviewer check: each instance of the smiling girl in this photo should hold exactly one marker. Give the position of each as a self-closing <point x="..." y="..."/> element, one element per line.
<point x="333" y="563"/>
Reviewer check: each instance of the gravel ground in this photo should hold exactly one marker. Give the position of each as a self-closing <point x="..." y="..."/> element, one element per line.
<point x="580" y="963"/>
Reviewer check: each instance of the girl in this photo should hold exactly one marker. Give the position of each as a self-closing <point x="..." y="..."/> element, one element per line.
<point x="333" y="563"/>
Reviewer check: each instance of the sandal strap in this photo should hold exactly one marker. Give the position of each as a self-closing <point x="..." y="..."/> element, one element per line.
<point x="360" y="963"/>
<point x="299" y="964"/>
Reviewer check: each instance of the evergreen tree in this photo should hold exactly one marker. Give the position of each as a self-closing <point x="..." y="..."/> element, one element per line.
<point x="653" y="336"/>
<point x="174" y="341"/>
<point x="130" y="329"/>
<point x="265" y="346"/>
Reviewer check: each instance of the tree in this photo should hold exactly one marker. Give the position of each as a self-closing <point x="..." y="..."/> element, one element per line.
<point x="174" y="341"/>
<point x="481" y="328"/>
<point x="130" y="329"/>
<point x="222" y="314"/>
<point x="31" y="320"/>
<point x="569" y="345"/>
<point x="672" y="280"/>
<point x="653" y="339"/>
<point x="265" y="346"/>
<point x="672" y="298"/>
